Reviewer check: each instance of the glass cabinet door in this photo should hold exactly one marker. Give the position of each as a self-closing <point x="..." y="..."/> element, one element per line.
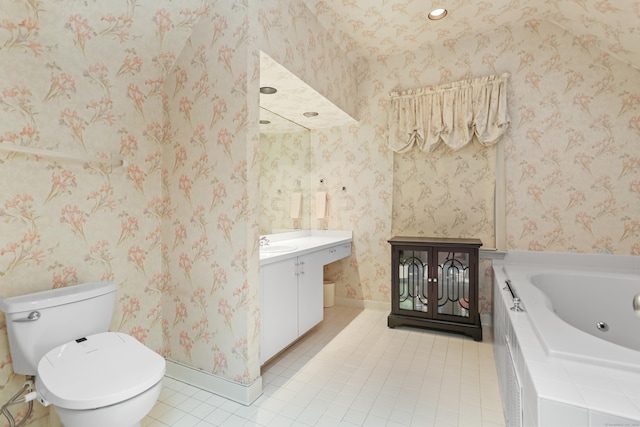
<point x="453" y="283"/>
<point x="413" y="274"/>
<point x="434" y="284"/>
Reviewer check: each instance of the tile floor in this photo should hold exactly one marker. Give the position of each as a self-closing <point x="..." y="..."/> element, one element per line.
<point x="351" y="370"/>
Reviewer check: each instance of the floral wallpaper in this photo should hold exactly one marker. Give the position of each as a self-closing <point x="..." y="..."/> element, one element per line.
<point x="445" y="193"/>
<point x="571" y="160"/>
<point x="210" y="187"/>
<point x="86" y="78"/>
<point x="167" y="85"/>
<point x="371" y="29"/>
<point x="358" y="171"/>
<point x="292" y="36"/>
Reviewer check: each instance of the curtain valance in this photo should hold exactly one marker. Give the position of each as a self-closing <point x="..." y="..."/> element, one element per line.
<point x="451" y="113"/>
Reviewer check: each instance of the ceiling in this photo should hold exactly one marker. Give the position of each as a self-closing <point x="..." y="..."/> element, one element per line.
<point x="285" y="109"/>
<point x="373" y="28"/>
<point x="387" y="27"/>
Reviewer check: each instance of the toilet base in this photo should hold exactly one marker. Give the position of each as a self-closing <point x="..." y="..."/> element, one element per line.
<point x="124" y="414"/>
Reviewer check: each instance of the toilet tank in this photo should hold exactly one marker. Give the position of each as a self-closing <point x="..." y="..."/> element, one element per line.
<point x="41" y="321"/>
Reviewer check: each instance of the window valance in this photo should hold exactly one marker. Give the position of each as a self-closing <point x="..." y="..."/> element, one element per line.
<point x="451" y="113"/>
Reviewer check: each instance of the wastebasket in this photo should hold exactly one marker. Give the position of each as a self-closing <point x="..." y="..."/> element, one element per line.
<point x="329" y="293"/>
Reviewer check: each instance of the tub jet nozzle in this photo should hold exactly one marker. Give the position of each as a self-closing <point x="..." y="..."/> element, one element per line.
<point x="636" y="305"/>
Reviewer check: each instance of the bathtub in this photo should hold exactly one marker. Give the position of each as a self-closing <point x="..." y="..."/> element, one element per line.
<point x="587" y="317"/>
<point x="573" y="356"/>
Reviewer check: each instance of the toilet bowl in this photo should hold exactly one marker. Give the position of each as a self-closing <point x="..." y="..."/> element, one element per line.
<point x="105" y="379"/>
<point x="118" y="415"/>
<point x="90" y="376"/>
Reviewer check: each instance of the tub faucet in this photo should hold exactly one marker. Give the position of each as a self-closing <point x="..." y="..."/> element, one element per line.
<point x="516" y="299"/>
<point x="516" y="305"/>
<point x="264" y="241"/>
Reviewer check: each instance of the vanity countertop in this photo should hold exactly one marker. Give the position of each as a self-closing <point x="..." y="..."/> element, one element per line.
<point x="305" y="242"/>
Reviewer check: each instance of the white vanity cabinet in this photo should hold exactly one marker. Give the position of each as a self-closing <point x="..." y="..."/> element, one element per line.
<point x="291" y="294"/>
<point x="279" y="307"/>
<point x="291" y="297"/>
<point x="337" y="252"/>
<point x="310" y="291"/>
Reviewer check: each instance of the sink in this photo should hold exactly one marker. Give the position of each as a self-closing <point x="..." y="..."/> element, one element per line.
<point x="274" y="249"/>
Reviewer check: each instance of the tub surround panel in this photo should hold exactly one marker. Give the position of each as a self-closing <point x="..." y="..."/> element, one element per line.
<point x="559" y="387"/>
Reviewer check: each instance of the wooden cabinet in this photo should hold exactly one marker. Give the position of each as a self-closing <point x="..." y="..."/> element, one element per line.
<point x="434" y="284"/>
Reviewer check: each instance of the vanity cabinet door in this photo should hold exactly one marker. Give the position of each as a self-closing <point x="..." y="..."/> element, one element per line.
<point x="291" y="296"/>
<point x="310" y="291"/>
<point x="279" y="314"/>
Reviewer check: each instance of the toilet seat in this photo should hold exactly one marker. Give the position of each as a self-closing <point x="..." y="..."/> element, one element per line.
<point x="97" y="371"/>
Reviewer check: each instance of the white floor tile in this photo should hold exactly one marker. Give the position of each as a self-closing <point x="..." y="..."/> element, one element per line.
<point x="352" y="370"/>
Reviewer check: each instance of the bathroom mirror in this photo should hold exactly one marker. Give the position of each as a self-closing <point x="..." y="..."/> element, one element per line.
<point x="285" y="196"/>
<point x="293" y="108"/>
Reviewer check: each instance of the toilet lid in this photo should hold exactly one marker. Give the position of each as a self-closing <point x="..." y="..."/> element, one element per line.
<point x="97" y="371"/>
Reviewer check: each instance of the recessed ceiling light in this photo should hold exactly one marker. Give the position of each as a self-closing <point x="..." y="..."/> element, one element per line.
<point x="310" y="114"/>
<point x="267" y="90"/>
<point x="265" y="122"/>
<point x="436" y="14"/>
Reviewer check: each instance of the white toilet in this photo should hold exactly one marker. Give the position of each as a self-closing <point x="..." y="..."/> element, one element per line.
<point x="92" y="377"/>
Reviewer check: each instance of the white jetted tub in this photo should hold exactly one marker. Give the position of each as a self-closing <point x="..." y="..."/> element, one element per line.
<point x="572" y="357"/>
<point x="582" y="316"/>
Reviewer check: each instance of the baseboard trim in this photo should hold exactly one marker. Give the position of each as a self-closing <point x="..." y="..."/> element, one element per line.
<point x="382" y="305"/>
<point x="245" y="394"/>
<point x="354" y="303"/>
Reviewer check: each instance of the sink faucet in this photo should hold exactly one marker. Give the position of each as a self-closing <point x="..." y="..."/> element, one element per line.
<point x="264" y="241"/>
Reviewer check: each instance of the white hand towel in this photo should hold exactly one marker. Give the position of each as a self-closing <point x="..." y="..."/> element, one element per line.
<point x="296" y="203"/>
<point x="321" y="204"/>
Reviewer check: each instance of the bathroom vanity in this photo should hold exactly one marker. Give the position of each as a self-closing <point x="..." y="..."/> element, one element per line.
<point x="291" y="285"/>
